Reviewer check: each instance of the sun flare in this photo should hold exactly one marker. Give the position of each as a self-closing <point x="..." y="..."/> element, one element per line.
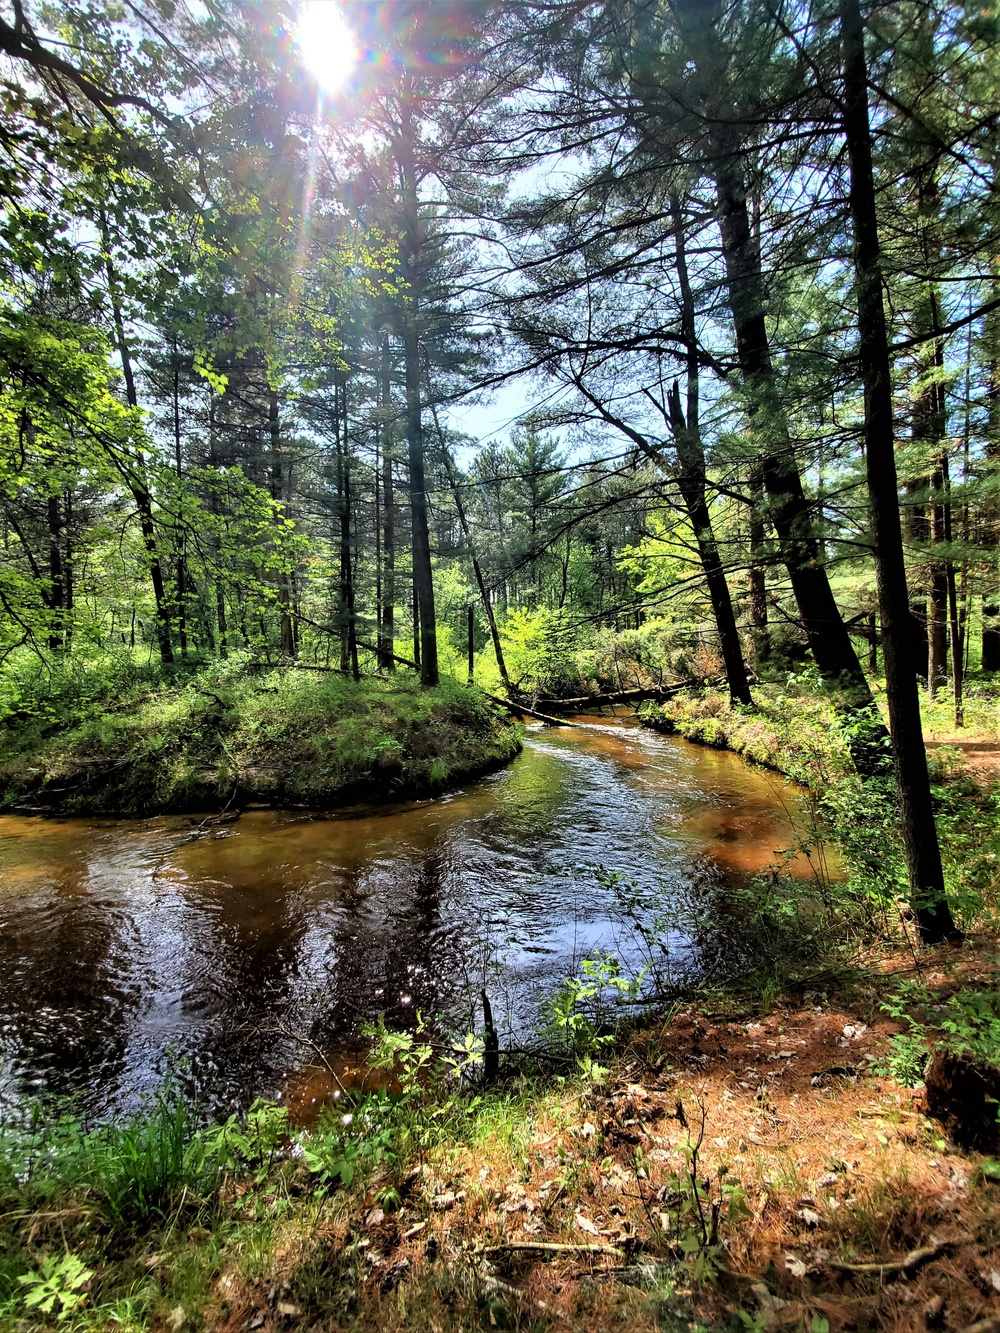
<point x="326" y="44"/>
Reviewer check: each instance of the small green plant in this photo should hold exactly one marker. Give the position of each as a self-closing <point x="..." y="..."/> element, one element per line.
<point x="141" y="1166"/>
<point x="970" y="1025"/>
<point x="346" y="1141"/>
<point x="252" y="1147"/>
<point x="694" y="1206"/>
<point x="57" y="1288"/>
<point x="405" y="1054"/>
<point x="579" y="1015"/>
<point x="907" y="1057"/>
<point x="966" y="1024"/>
<point x="332" y="1159"/>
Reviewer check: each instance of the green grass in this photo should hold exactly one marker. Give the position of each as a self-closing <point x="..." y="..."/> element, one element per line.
<point x="129" y="742"/>
<point x="795" y="731"/>
<point x="156" y="1211"/>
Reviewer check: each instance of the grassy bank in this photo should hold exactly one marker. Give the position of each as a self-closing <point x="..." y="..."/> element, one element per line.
<point x="128" y="743"/>
<point x="795" y="731"/>
<point x="731" y="1168"/>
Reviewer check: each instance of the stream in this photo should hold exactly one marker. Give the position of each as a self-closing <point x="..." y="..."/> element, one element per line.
<point x="247" y="955"/>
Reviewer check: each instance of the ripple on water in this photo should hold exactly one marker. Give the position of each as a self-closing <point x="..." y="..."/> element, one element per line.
<point x="124" y="946"/>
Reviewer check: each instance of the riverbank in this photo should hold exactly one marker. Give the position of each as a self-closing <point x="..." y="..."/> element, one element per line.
<point x="733" y="1167"/>
<point x="226" y="737"/>
<point x="760" y="1156"/>
<point x="797" y="733"/>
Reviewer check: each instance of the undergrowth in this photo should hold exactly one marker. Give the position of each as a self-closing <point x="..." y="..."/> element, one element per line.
<point x="125" y="740"/>
<point x="684" y="1172"/>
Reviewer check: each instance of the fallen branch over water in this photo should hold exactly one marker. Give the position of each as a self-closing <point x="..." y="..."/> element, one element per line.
<point x="530" y="712"/>
<point x="658" y="692"/>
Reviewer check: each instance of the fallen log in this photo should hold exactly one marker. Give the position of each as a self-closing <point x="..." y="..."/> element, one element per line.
<point x="658" y="692"/>
<point x="530" y="712"/>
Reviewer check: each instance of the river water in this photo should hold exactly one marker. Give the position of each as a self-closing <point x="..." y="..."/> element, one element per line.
<point x="247" y="954"/>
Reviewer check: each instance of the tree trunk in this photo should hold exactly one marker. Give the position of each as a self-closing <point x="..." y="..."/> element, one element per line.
<point x="937" y="629"/>
<point x="179" y="575"/>
<point x="484" y="591"/>
<point x="937" y="594"/>
<point x="348" y="626"/>
<point x="691" y="481"/>
<point x="955" y="626"/>
<point x="57" y="592"/>
<point x="136" y="481"/>
<point x="220" y="598"/>
<point x="423" y="579"/>
<point x="277" y="494"/>
<point x="923" y="856"/>
<point x="387" y="624"/>
<point x="991" y="639"/>
<point x="789" y="509"/>
<point x="68" y="573"/>
<point x="758" y="581"/>
<point x="955" y="635"/>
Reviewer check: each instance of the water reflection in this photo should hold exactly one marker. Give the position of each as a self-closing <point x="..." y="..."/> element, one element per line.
<point x="124" y="946"/>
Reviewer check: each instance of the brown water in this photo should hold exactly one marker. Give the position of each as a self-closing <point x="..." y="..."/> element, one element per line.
<point x="126" y="947"/>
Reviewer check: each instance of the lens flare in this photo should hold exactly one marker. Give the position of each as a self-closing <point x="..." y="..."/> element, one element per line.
<point x="325" y="43"/>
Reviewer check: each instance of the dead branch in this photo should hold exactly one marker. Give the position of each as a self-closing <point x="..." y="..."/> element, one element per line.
<point x="550" y="1247"/>
<point x="530" y="712"/>
<point x="914" y="1260"/>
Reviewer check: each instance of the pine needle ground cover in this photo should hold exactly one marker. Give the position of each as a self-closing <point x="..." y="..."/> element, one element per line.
<point x="731" y="1167"/>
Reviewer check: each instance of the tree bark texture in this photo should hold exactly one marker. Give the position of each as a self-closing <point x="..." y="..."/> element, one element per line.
<point x="788" y="506"/>
<point x="923" y="856"/>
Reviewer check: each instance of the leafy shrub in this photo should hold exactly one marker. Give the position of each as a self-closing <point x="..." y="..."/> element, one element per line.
<point x="539" y="648"/>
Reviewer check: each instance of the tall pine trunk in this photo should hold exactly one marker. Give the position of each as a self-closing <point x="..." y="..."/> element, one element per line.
<point x="135" y="477"/>
<point x="222" y="625"/>
<point x="477" y="569"/>
<point x="923" y="855"/>
<point x="277" y="494"/>
<point x="423" y="579"/>
<point x="387" y="621"/>
<point x="348" y="625"/>
<point x="179" y="571"/>
<point x="788" y="506"/>
<point x="758" y="578"/>
<point x="686" y="429"/>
